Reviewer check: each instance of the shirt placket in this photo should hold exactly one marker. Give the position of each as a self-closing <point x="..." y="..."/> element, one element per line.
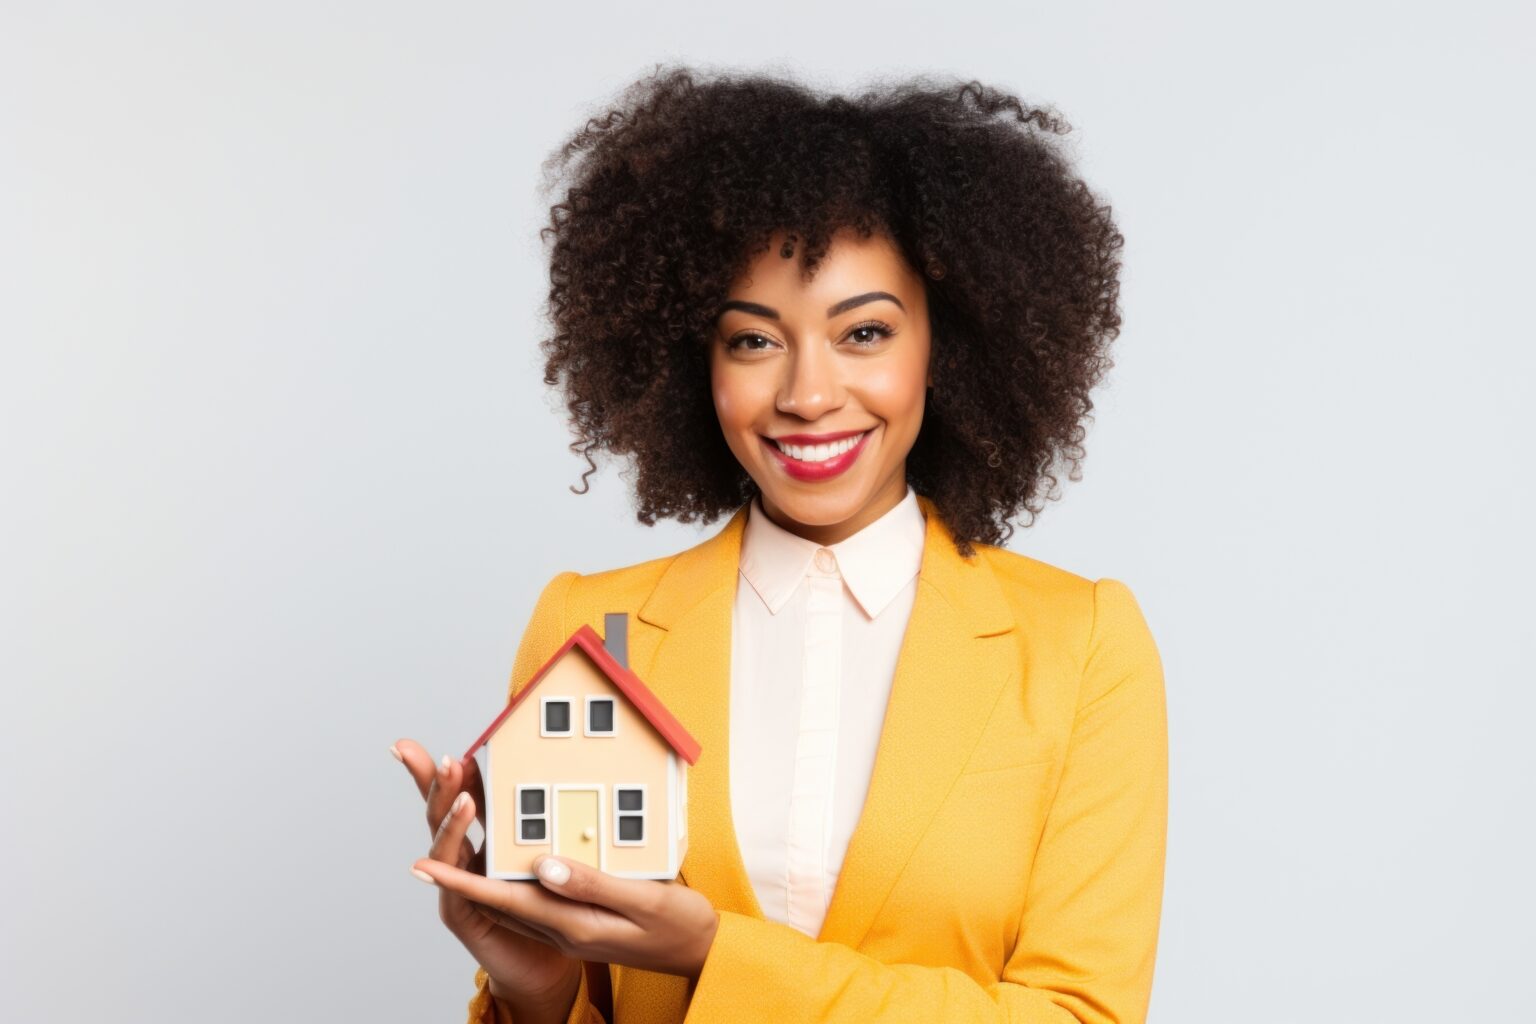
<point x="815" y="763"/>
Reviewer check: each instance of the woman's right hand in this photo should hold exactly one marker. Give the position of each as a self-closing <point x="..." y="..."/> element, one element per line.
<point x="526" y="971"/>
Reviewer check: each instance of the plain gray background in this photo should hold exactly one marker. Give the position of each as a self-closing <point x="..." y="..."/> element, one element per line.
<point x="281" y="480"/>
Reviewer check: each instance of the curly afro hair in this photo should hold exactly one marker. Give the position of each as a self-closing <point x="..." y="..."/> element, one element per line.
<point x="672" y="193"/>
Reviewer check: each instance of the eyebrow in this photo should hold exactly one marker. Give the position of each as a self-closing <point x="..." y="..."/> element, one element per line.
<point x="757" y="309"/>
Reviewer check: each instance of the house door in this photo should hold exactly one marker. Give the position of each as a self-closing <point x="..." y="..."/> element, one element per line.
<point x="577" y="825"/>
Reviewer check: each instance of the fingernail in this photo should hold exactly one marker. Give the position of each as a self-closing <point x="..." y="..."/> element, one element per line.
<point x="396" y="751"/>
<point x="458" y="804"/>
<point x="552" y="870"/>
<point x="446" y="762"/>
<point x="423" y="876"/>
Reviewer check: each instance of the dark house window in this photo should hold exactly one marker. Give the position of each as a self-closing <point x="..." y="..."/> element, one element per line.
<point x="629" y="814"/>
<point x="557" y="717"/>
<point x="599" y="716"/>
<point x="532" y="814"/>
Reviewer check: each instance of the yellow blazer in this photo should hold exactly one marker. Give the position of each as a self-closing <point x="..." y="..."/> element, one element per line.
<point x="1008" y="864"/>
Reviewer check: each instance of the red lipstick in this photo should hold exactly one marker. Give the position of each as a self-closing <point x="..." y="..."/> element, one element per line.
<point x="801" y="469"/>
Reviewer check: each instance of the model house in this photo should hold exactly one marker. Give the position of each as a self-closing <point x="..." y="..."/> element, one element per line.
<point x="586" y="763"/>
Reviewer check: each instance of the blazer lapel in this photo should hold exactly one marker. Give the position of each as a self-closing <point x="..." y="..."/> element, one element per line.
<point x="954" y="660"/>
<point x="690" y="670"/>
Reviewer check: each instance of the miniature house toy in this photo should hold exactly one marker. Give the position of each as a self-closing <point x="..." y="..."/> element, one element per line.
<point x="585" y="762"/>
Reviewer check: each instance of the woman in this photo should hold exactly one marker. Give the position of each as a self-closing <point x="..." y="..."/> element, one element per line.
<point x="934" y="775"/>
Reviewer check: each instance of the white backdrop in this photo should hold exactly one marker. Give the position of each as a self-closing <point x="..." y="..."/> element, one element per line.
<point x="281" y="481"/>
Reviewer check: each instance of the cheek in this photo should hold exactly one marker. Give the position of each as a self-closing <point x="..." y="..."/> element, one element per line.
<point x="739" y="398"/>
<point x="895" y="394"/>
<point x="723" y="393"/>
<point x="727" y="405"/>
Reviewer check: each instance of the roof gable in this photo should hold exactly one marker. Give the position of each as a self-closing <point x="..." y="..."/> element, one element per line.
<point x="636" y="692"/>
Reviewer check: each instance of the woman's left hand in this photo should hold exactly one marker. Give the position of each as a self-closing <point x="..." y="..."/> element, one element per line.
<point x="592" y="915"/>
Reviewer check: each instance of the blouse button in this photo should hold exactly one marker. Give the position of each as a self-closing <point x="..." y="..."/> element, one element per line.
<point x="825" y="560"/>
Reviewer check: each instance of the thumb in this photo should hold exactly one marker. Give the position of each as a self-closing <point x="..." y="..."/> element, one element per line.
<point x="556" y="874"/>
<point x="578" y="881"/>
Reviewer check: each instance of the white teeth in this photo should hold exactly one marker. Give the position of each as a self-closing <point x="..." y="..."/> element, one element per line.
<point x="818" y="452"/>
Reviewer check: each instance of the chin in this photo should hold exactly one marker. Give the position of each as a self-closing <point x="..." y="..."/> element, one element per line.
<point x="813" y="509"/>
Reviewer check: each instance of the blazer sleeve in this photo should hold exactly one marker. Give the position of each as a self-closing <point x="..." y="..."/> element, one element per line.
<point x="545" y="632"/>
<point x="1088" y="930"/>
<point x="485" y="1008"/>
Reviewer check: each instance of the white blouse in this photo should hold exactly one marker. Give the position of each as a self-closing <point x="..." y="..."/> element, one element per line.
<point x="814" y="639"/>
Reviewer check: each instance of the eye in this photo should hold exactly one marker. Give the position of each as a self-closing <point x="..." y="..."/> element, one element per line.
<point x="870" y="333"/>
<point x="743" y="343"/>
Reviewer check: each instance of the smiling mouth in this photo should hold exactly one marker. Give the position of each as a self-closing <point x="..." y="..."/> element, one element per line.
<point x="814" y="453"/>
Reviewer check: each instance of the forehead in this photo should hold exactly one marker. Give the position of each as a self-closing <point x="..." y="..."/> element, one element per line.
<point x="852" y="264"/>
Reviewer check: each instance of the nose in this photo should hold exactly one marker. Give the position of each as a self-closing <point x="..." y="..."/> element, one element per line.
<point x="811" y="385"/>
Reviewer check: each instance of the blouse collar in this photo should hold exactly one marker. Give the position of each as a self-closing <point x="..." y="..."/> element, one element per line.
<point x="875" y="563"/>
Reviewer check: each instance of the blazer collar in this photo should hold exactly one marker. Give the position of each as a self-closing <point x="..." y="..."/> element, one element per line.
<point x="876" y="563"/>
<point x="967" y="584"/>
<point x="954" y="661"/>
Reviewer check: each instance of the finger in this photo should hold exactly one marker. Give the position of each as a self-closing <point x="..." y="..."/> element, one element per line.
<point x="513" y="924"/>
<point x="636" y="899"/>
<point x="530" y="903"/>
<point x="417" y="761"/>
<point x="449" y="842"/>
<point x="445" y="789"/>
<point x="456" y="905"/>
<point x="466" y="917"/>
<point x="474" y="785"/>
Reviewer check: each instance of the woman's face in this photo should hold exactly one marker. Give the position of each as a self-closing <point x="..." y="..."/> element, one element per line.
<point x="819" y="385"/>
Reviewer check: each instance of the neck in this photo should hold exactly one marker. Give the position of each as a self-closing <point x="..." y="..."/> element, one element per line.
<point x="886" y="498"/>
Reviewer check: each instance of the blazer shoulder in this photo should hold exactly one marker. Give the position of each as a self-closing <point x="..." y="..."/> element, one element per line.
<point x="1075" y="605"/>
<point x="623" y="582"/>
<point x="570" y="599"/>
<point x="1048" y="599"/>
<point x="1019" y="573"/>
<point x="623" y="588"/>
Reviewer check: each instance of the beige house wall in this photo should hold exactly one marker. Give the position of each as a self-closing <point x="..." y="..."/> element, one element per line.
<point x="635" y="755"/>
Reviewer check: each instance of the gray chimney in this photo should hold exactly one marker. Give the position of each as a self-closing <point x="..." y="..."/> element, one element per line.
<point x="616" y="636"/>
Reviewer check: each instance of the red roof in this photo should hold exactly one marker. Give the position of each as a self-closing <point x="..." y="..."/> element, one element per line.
<point x="628" y="683"/>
